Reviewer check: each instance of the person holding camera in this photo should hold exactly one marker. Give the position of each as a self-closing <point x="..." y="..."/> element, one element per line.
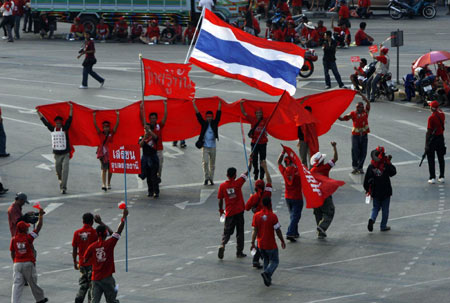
<point x="149" y="160"/>
<point x="377" y="183"/>
<point x="89" y="61"/>
<point x="207" y="140"/>
<point x="23" y="255"/>
<point x="15" y="213"/>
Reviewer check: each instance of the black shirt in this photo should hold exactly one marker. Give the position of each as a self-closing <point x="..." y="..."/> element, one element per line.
<point x="329" y="51"/>
<point x="168" y="33"/>
<point x="379" y="184"/>
<point x="149" y="148"/>
<point x="65" y="128"/>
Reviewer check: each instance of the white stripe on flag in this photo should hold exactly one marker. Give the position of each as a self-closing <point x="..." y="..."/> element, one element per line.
<point x="244" y="70"/>
<point x="226" y="34"/>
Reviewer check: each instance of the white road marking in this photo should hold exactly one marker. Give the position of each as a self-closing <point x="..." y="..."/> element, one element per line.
<point x="22" y="121"/>
<point x="115" y="98"/>
<point x="51" y="207"/>
<point x="342" y="261"/>
<point x="337" y="298"/>
<point x="199" y="283"/>
<point x="411" y="124"/>
<point x="410" y="216"/>
<point x="427" y="282"/>
<point x="358" y="187"/>
<point x="204" y="195"/>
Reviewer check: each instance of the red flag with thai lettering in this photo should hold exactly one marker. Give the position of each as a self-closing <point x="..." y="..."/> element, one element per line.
<point x="316" y="188"/>
<point x="170" y="80"/>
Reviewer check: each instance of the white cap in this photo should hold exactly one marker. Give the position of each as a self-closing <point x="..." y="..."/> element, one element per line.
<point x="317" y="158"/>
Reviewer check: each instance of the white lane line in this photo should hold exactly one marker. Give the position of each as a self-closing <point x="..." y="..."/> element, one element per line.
<point x="420" y="127"/>
<point x="22" y="121"/>
<point x="427" y="282"/>
<point x="342" y="261"/>
<point x="387" y="141"/>
<point x="200" y="283"/>
<point x="410" y="216"/>
<point x="51" y="207"/>
<point x="115" y="98"/>
<point x="117" y="261"/>
<point x="337" y="298"/>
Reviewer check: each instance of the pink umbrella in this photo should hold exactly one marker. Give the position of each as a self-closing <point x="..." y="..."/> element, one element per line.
<point x="431" y="58"/>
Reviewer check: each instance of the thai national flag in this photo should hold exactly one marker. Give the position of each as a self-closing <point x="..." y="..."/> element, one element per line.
<point x="228" y="51"/>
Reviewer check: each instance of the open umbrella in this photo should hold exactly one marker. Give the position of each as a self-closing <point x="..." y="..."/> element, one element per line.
<point x="431" y="58"/>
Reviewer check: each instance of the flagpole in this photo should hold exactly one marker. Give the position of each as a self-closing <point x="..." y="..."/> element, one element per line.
<point x="142" y="76"/>
<point x="195" y="34"/>
<point x="126" y="205"/>
<point x="246" y="157"/>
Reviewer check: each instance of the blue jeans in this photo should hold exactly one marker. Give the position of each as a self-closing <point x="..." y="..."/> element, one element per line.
<point x="2" y="139"/>
<point x="295" y="210"/>
<point x="359" y="151"/>
<point x="327" y="65"/>
<point x="87" y="70"/>
<point x="271" y="260"/>
<point x="384" y="205"/>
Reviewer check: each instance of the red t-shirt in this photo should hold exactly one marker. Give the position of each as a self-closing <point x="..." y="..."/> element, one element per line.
<point x="323" y="169"/>
<point x="121" y="27"/>
<point x="278" y="35"/>
<point x="344" y="12"/>
<point x="255" y="200"/>
<point x="258" y="130"/>
<point x="18" y="8"/>
<point x="440" y="73"/>
<point x="105" y="142"/>
<point x="82" y="238"/>
<point x="22" y="245"/>
<point x="364" y="3"/>
<point x="435" y="124"/>
<point x="189" y="32"/>
<point x="360" y="123"/>
<point x="339" y="30"/>
<point x="158" y="131"/>
<point x="296" y="3"/>
<point x="102" y="28"/>
<point x="77" y="28"/>
<point x="284" y="8"/>
<point x="292" y="182"/>
<point x="314" y="35"/>
<point x="14" y="214"/>
<point x="153" y="31"/>
<point x="304" y="32"/>
<point x="231" y="191"/>
<point x="137" y="29"/>
<point x="381" y="58"/>
<point x="266" y="222"/>
<point x="291" y="33"/>
<point x="90" y="46"/>
<point x="360" y="36"/>
<point x="101" y="255"/>
<point x="360" y="72"/>
<point x="321" y="31"/>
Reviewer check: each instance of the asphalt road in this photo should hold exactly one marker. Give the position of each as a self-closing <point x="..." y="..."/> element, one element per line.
<point x="173" y="251"/>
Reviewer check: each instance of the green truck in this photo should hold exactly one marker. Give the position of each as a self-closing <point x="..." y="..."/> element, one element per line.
<point x="90" y="11"/>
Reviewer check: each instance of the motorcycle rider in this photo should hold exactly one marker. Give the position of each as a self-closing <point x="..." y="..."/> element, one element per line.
<point x="358" y="77"/>
<point x="382" y="69"/>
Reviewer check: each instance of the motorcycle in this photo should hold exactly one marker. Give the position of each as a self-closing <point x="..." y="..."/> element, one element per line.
<point x="308" y="66"/>
<point x="386" y="87"/>
<point x="398" y="9"/>
<point x="426" y="90"/>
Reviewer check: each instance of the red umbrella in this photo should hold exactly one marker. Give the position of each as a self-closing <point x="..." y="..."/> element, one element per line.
<point x="431" y="58"/>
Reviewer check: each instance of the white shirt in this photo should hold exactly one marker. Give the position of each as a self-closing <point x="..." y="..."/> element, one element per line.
<point x="206" y="4"/>
<point x="7" y="12"/>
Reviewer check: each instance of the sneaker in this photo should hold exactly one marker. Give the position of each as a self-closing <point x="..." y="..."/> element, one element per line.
<point x="63" y="191"/>
<point x="4" y="155"/>
<point x="5" y="37"/>
<point x="322" y="234"/>
<point x="104" y="188"/>
<point x="183" y="145"/>
<point x="370" y="225"/>
<point x="297" y="236"/>
<point x="211" y="182"/>
<point x="327" y="87"/>
<point x="109" y="186"/>
<point x="441" y="180"/>
<point x="149" y="194"/>
<point x="174" y="143"/>
<point x="266" y="279"/>
<point x="361" y="171"/>
<point x="343" y="86"/>
<point x="257" y="266"/>
<point x="206" y="182"/>
<point x="3" y="191"/>
<point x="291" y="239"/>
<point x="387" y="228"/>
<point x="240" y="255"/>
<point x="355" y="171"/>
<point x="83" y="87"/>
<point x="102" y="83"/>
<point x="221" y="251"/>
<point x="155" y="196"/>
<point x="346" y="45"/>
<point x="432" y="181"/>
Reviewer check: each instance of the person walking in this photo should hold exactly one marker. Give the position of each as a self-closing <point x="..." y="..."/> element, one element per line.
<point x="7" y="10"/>
<point x="324" y="214"/>
<point x="103" y="151"/>
<point x="254" y="203"/>
<point x="377" y="183"/>
<point x="15" y="212"/>
<point x="28" y="17"/>
<point x="149" y="159"/>
<point x="292" y="194"/>
<point x="3" y="152"/>
<point x="82" y="238"/>
<point x="101" y="255"/>
<point x="360" y="132"/>
<point x="231" y="192"/>
<point x="258" y="134"/>
<point x="329" y="60"/>
<point x="209" y="133"/>
<point x="265" y="224"/>
<point x="434" y="142"/>
<point x="23" y="255"/>
<point x="61" y="146"/>
<point x="17" y="13"/>
<point x="89" y="61"/>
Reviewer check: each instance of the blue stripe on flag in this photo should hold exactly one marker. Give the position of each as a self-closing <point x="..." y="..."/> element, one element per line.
<point x="234" y="52"/>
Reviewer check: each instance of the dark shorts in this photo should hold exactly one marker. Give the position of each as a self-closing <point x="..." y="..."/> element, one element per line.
<point x="104" y="165"/>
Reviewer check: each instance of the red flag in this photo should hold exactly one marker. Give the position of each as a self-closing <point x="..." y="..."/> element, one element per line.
<point x="355" y="59"/>
<point x="373" y="48"/>
<point x="310" y="137"/>
<point x="316" y="188"/>
<point x="169" y="80"/>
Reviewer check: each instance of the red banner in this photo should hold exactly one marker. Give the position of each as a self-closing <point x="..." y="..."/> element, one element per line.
<point x="128" y="156"/>
<point x="355" y="59"/>
<point x="373" y="48"/>
<point x="316" y="188"/>
<point x="170" y="80"/>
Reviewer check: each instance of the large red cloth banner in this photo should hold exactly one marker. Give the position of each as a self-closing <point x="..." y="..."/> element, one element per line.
<point x="170" y="80"/>
<point x="316" y="188"/>
<point x="181" y="122"/>
<point x="122" y="156"/>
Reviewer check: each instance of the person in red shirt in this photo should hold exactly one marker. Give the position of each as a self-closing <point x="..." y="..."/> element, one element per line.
<point x="360" y="130"/>
<point x="344" y="14"/>
<point x="15" y="212"/>
<point x="265" y="224"/>
<point x="363" y="10"/>
<point x="262" y="7"/>
<point x="277" y="34"/>
<point x="178" y="31"/>
<point x="296" y="7"/>
<point x="254" y="203"/>
<point x="321" y="30"/>
<point x="361" y="38"/>
<point x="258" y="134"/>
<point x="292" y="194"/>
<point x="100" y="255"/>
<point x="82" y="238"/>
<point x="442" y="73"/>
<point x="434" y="142"/>
<point x="310" y="35"/>
<point x="283" y="7"/>
<point x="23" y="256"/>
<point x="189" y="33"/>
<point x="231" y="192"/>
<point x="17" y="13"/>
<point x="152" y="35"/>
<point x="76" y="30"/>
<point x="89" y="62"/>
<point x="341" y="34"/>
<point x="102" y="30"/>
<point x="324" y="214"/>
<point x="121" y="29"/>
<point x="103" y="150"/>
<point x="291" y="34"/>
<point x="358" y="77"/>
